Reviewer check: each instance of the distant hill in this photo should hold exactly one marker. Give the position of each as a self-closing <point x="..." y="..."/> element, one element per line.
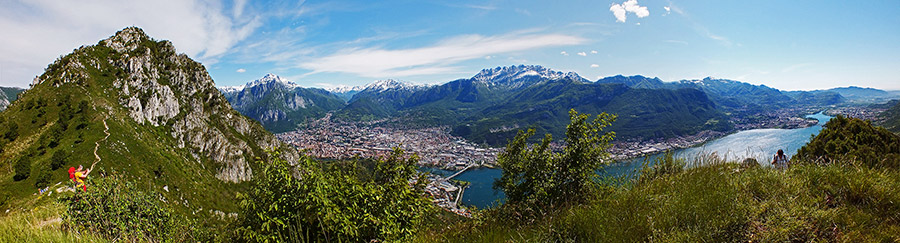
<point x="8" y="95"/>
<point x="816" y="98"/>
<point x="735" y="95"/>
<point x="864" y="95"/>
<point x="890" y="118"/>
<point x="169" y="128"/>
<point x="740" y="96"/>
<point x="280" y="105"/>
<point x="642" y="113"/>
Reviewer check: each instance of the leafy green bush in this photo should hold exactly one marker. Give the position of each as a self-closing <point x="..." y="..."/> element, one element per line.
<point x="23" y="168"/>
<point x="43" y="179"/>
<point x="12" y="131"/>
<point x="535" y="177"/>
<point x="116" y="209"/>
<point x="851" y="140"/>
<point x="321" y="201"/>
<point x="58" y="159"/>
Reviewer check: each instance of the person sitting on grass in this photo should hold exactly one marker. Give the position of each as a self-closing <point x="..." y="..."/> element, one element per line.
<point x="780" y="161"/>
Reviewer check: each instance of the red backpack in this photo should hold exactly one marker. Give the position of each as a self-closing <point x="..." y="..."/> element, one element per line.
<point x="72" y="173"/>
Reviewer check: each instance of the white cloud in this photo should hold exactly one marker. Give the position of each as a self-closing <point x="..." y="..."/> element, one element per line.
<point x="36" y="32"/>
<point x="564" y="53"/>
<point x="593" y="52"/>
<point x="241" y="70"/>
<point x="582" y="54"/>
<point x="668" y="10"/>
<point x="620" y="11"/>
<point x="434" y="59"/>
<point x="595" y="65"/>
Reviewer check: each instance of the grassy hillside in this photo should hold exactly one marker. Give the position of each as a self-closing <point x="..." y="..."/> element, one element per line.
<point x="846" y="199"/>
<point x="715" y="203"/>
<point x="145" y="115"/>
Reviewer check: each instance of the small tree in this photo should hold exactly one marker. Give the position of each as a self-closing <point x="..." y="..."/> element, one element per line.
<point x="533" y="175"/>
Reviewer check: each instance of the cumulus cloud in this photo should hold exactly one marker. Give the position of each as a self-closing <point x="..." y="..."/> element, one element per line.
<point x="620" y="11"/>
<point x="582" y="54"/>
<point x="595" y="65"/>
<point x="241" y="70"/>
<point x="668" y="10"/>
<point x="593" y="52"/>
<point x="434" y="59"/>
<point x="564" y="53"/>
<point x="36" y="32"/>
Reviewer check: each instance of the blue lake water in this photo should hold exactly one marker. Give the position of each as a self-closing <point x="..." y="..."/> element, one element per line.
<point x="757" y="143"/>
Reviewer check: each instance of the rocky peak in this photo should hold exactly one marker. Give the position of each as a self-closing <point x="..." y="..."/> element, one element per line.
<point x="157" y="87"/>
<point x="521" y="76"/>
<point x="272" y="79"/>
<point x="389" y="84"/>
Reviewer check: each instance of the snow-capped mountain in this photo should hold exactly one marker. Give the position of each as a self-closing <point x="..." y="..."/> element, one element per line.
<point x="345" y="89"/>
<point x="272" y="78"/>
<point x="514" y="77"/>
<point x="390" y="84"/>
<point x="279" y="104"/>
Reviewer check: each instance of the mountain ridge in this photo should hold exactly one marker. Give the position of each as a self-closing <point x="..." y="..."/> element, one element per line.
<point x="170" y="130"/>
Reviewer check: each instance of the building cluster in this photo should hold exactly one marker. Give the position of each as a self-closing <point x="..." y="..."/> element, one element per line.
<point x="861" y="112"/>
<point x="786" y="118"/>
<point x="446" y="194"/>
<point x="435" y="146"/>
<point x="639" y="147"/>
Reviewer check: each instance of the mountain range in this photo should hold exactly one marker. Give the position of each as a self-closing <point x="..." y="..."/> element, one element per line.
<point x="490" y="106"/>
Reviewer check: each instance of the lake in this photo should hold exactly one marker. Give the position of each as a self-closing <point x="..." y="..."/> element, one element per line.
<point x="760" y="144"/>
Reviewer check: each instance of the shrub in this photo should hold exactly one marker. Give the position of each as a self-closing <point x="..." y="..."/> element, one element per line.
<point x="851" y="140"/>
<point x="23" y="168"/>
<point x="115" y="208"/>
<point x="534" y="176"/>
<point x="12" y="131"/>
<point x="58" y="159"/>
<point x="43" y="179"/>
<point x="319" y="201"/>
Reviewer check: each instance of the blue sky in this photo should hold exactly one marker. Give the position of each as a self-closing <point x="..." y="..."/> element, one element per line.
<point x="790" y="45"/>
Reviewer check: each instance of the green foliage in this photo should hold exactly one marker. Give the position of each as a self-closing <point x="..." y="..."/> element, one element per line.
<point x="660" y="167"/>
<point x="58" y="159"/>
<point x="12" y="131"/>
<point x="535" y="177"/>
<point x="317" y="201"/>
<point x="117" y="209"/>
<point x="43" y="179"/>
<point x="22" y="168"/>
<point x="851" y="140"/>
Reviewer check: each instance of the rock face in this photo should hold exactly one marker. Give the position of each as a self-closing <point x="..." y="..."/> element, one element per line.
<point x="8" y="95"/>
<point x="280" y="104"/>
<point x="159" y="88"/>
